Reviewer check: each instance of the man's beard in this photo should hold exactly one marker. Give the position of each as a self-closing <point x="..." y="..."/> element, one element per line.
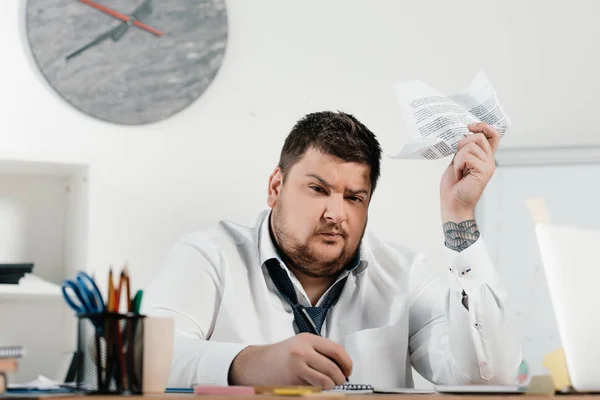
<point x="300" y="255"/>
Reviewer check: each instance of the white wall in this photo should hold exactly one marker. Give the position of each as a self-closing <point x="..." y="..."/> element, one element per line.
<point x="32" y="210"/>
<point x="151" y="184"/>
<point x="508" y="225"/>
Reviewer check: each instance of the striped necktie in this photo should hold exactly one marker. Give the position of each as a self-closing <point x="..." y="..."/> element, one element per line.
<point x="286" y="289"/>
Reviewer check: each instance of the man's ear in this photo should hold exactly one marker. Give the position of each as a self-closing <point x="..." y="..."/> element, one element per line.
<point x="275" y="186"/>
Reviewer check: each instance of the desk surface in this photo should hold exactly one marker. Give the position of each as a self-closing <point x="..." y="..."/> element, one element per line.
<point x="316" y="396"/>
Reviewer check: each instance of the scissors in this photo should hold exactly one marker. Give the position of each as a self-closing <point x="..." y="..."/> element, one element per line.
<point x="85" y="297"/>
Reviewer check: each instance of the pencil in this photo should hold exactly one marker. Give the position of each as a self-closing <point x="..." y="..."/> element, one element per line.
<point x="312" y="326"/>
<point x="120" y="349"/>
<point x="125" y="276"/>
<point x="111" y="292"/>
<point x="118" y="295"/>
<point x="108" y="331"/>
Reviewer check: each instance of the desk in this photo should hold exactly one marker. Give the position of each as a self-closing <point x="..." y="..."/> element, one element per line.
<point x="315" y="396"/>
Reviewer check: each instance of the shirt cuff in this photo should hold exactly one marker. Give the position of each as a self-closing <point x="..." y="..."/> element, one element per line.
<point x="471" y="267"/>
<point x="216" y="361"/>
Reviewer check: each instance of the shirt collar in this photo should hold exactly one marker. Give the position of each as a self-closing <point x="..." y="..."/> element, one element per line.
<point x="267" y="250"/>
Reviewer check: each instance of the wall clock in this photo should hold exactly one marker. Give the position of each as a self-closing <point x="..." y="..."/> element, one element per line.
<point x="128" y="62"/>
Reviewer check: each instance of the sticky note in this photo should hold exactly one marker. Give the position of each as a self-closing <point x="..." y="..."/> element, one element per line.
<point x="224" y="390"/>
<point x="291" y="392"/>
<point x="556" y="363"/>
<point x="287" y="390"/>
<point x="537" y="208"/>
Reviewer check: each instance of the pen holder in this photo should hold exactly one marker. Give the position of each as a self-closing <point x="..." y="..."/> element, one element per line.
<point x="110" y="353"/>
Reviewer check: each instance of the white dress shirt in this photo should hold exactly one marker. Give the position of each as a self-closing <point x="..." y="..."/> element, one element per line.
<point x="395" y="310"/>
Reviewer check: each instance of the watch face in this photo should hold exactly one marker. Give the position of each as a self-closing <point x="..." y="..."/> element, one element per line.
<point x="138" y="71"/>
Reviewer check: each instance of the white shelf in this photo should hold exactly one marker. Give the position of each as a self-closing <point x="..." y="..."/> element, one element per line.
<point x="27" y="168"/>
<point x="29" y="286"/>
<point x="44" y="212"/>
<point x="44" y="207"/>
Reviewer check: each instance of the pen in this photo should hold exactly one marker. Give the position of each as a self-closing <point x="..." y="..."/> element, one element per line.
<point x="311" y="325"/>
<point x="179" y="390"/>
<point x="137" y="301"/>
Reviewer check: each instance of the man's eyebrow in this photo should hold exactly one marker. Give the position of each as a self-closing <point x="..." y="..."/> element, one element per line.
<point x="359" y="191"/>
<point x="327" y="184"/>
<point x="317" y="177"/>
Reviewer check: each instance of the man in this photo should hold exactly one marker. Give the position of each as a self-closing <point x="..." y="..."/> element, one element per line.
<point x="237" y="293"/>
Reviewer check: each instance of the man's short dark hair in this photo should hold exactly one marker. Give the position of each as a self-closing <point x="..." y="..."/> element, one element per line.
<point x="335" y="133"/>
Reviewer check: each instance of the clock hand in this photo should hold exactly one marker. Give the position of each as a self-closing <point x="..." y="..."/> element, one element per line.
<point x="115" y="33"/>
<point x="139" y="13"/>
<point x="122" y="17"/>
<point x="120" y="31"/>
<point x="99" y="39"/>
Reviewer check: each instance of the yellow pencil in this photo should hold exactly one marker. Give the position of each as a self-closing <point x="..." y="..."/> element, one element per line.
<point x="111" y="292"/>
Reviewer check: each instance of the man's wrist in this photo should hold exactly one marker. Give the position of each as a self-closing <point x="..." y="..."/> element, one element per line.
<point x="239" y="368"/>
<point x="457" y="215"/>
<point x="460" y="229"/>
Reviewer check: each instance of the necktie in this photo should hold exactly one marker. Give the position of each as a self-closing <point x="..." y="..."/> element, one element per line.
<point x="286" y="289"/>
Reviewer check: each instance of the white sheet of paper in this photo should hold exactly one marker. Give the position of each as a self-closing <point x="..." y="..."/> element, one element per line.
<point x="41" y="382"/>
<point x="403" y="391"/>
<point x="381" y="390"/>
<point x="435" y="122"/>
<point x="480" y="389"/>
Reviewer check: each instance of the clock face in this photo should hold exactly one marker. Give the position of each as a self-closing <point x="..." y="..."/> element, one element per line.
<point x="138" y="71"/>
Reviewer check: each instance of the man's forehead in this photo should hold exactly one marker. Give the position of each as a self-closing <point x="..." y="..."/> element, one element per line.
<point x="313" y="157"/>
<point x="332" y="169"/>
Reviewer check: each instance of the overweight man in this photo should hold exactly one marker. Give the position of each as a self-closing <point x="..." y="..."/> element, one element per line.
<point x="240" y="295"/>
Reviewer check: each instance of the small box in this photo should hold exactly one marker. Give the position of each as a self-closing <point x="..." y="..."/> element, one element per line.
<point x="12" y="273"/>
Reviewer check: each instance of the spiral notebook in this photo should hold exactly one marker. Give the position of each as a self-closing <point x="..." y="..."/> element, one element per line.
<point x="355" y="388"/>
<point x="12" y="352"/>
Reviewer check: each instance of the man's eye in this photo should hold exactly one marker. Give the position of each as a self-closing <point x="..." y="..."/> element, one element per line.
<point x="355" y="199"/>
<point x="317" y="189"/>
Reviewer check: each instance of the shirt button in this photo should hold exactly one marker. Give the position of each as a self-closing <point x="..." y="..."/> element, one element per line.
<point x="450" y="269"/>
<point x="477" y="325"/>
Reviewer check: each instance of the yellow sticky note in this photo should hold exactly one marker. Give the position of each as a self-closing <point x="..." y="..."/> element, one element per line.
<point x="291" y="391"/>
<point x="287" y="390"/>
<point x="541" y="385"/>
<point x="556" y="363"/>
<point x="539" y="211"/>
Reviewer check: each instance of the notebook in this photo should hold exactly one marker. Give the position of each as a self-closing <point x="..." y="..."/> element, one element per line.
<point x="354" y="388"/>
<point x="12" y="352"/>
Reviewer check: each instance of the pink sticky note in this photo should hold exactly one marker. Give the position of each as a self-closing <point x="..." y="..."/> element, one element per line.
<point x="224" y="390"/>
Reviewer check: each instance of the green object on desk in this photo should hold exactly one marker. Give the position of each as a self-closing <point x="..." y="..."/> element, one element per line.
<point x="137" y="301"/>
<point x="179" y="390"/>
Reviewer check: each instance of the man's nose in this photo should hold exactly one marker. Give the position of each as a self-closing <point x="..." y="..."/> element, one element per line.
<point x="335" y="211"/>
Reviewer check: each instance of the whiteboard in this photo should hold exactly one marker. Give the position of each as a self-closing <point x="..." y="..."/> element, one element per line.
<point x="568" y="179"/>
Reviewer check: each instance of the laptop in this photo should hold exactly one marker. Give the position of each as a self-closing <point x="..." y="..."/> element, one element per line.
<point x="570" y="257"/>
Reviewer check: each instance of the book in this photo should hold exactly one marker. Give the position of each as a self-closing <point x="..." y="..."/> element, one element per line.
<point x="8" y="365"/>
<point x="2" y="382"/>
